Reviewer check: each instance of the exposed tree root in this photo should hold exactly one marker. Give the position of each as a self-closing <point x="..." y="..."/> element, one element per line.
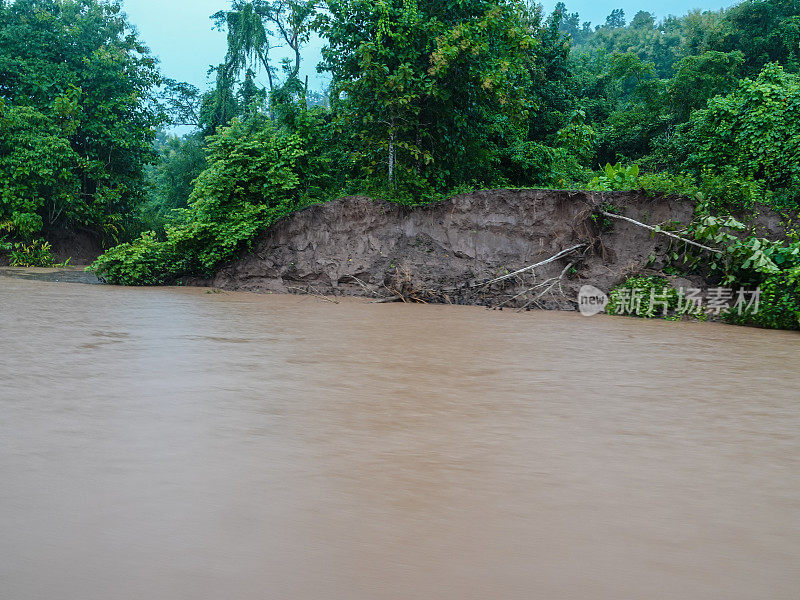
<point x="363" y="286"/>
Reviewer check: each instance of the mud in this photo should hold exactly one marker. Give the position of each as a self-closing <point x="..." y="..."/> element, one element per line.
<point x="445" y="251"/>
<point x="81" y="248"/>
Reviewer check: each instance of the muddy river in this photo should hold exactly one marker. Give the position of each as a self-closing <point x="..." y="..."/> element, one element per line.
<point x="170" y="444"/>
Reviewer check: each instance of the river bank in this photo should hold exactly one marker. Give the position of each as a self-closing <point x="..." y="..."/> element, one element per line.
<point x="74" y="274"/>
<point x="467" y="249"/>
<point x="445" y="252"/>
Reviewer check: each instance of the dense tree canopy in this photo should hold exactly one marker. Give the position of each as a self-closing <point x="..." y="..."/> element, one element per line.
<point x="76" y="116"/>
<point x="431" y="89"/>
<point x="751" y="133"/>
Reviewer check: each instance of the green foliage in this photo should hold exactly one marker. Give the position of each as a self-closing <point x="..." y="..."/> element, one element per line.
<point x="744" y="259"/>
<point x="752" y="134"/>
<point x="699" y="78"/>
<point x="647" y="297"/>
<point x="764" y="30"/>
<point x="251" y="28"/>
<point x="76" y="119"/>
<point x="37" y="253"/>
<point x="752" y="262"/>
<point x="745" y="262"/>
<point x="435" y="95"/>
<point x="616" y="177"/>
<point x="728" y="191"/>
<point x="39" y="171"/>
<point x="253" y="178"/>
<point x="659" y="44"/>
<point x="668" y="184"/>
<point x="576" y="137"/>
<point x="169" y="182"/>
<point x="779" y="305"/>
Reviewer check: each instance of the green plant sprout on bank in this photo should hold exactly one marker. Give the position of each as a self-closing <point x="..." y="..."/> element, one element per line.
<point x="36" y="254"/>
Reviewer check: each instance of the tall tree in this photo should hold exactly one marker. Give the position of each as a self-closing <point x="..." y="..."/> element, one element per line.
<point x="431" y="89"/>
<point x="248" y="39"/>
<point x="78" y="115"/>
<point x="616" y="19"/>
<point x="254" y="30"/>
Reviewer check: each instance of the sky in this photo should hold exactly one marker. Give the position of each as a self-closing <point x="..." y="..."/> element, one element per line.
<point x="179" y="32"/>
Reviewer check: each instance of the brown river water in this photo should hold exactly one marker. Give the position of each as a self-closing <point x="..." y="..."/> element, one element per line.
<point x="170" y="443"/>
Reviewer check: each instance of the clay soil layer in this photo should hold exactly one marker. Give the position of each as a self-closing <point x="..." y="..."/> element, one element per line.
<point x="443" y="252"/>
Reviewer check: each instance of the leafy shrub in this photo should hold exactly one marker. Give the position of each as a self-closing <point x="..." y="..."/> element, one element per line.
<point x="668" y="183"/>
<point x="751" y="135"/>
<point x="252" y="179"/>
<point x="35" y="254"/>
<point x="145" y="261"/>
<point x="729" y="191"/>
<point x="648" y="297"/>
<point x="616" y="177"/>
<point x="744" y="259"/>
<point x="779" y="304"/>
<point x="753" y="262"/>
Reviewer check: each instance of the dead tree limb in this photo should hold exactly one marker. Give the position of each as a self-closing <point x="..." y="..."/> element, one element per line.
<point x="315" y="294"/>
<point x="363" y="285"/>
<point x="653" y="229"/>
<point x="531" y="267"/>
<point x="553" y="281"/>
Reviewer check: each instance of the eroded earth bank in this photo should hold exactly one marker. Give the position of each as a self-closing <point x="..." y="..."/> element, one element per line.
<point x="446" y="252"/>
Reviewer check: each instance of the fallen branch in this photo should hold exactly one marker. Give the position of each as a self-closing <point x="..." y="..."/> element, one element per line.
<point x="653" y="229"/>
<point x="529" y="290"/>
<point x="316" y="295"/>
<point x="531" y="267"/>
<point x="555" y="280"/>
<point x="363" y="285"/>
<point x="387" y="300"/>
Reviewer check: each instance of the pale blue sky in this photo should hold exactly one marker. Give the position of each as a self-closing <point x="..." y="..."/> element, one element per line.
<point x="179" y="31"/>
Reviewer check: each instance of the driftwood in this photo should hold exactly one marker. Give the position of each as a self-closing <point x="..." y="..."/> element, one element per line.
<point x="552" y="281"/>
<point x="661" y="231"/>
<point x="315" y="293"/>
<point x="387" y="300"/>
<point x="532" y="267"/>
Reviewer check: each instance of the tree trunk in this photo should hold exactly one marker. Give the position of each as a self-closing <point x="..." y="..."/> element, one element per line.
<point x="391" y="155"/>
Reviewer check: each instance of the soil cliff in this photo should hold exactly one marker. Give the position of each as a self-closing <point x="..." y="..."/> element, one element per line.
<point x="445" y="252"/>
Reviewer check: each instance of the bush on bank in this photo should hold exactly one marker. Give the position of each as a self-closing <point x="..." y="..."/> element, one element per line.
<point x="253" y="179"/>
